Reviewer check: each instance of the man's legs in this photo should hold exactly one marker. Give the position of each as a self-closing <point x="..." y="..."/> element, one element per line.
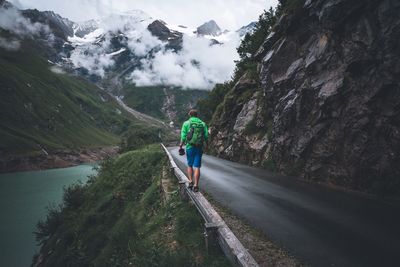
<point x="196" y="176"/>
<point x="196" y="166"/>
<point x="190" y="159"/>
<point x="190" y="174"/>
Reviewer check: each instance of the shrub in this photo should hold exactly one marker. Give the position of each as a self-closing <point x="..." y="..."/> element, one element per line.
<point x="46" y="228"/>
<point x="140" y="137"/>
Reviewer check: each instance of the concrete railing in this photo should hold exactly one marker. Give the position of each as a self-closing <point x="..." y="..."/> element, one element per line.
<point x="215" y="227"/>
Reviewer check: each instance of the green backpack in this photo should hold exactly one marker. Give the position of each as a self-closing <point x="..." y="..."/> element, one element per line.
<point x="195" y="136"/>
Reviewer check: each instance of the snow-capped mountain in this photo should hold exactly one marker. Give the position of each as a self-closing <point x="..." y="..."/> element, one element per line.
<point x="83" y="28"/>
<point x="128" y="46"/>
<point x="135" y="48"/>
<point x="247" y="29"/>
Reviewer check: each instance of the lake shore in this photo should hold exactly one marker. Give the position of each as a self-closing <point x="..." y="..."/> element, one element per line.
<point x="54" y="159"/>
<point x="24" y="198"/>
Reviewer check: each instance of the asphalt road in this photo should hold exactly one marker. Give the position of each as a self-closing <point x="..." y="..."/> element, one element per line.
<point x="321" y="226"/>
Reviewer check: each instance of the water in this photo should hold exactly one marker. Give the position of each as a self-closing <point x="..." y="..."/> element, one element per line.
<point x="24" y="197"/>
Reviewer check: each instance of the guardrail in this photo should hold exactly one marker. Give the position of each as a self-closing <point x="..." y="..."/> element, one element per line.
<point x="215" y="227"/>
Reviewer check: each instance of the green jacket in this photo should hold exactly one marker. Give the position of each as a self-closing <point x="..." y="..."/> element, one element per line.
<point x="186" y="128"/>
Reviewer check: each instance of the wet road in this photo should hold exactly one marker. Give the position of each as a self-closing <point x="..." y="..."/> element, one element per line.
<point x="321" y="226"/>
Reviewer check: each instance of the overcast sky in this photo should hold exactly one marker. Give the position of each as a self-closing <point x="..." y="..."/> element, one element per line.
<point x="229" y="14"/>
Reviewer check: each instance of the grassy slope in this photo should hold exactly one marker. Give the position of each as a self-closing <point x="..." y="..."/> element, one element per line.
<point x="120" y="219"/>
<point x="150" y="100"/>
<point x="55" y="111"/>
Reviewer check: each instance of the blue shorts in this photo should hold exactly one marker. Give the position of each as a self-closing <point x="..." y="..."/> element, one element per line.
<point x="193" y="156"/>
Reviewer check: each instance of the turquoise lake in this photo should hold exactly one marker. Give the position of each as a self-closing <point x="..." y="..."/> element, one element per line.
<point x="24" y="197"/>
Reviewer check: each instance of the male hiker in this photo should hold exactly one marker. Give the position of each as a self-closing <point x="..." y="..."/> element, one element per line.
<point x="194" y="133"/>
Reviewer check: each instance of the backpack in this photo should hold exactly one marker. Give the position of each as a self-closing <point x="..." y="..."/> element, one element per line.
<point x="195" y="136"/>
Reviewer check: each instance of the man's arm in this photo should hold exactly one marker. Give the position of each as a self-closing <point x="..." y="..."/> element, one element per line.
<point x="205" y="131"/>
<point x="183" y="134"/>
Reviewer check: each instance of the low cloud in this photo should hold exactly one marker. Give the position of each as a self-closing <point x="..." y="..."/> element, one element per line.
<point x="10" y="44"/>
<point x="97" y="56"/>
<point x="57" y="70"/>
<point x="14" y="22"/>
<point x="93" y="57"/>
<point x="198" y="65"/>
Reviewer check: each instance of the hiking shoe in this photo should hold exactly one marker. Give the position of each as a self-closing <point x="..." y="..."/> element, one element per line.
<point x="195" y="189"/>
<point x="190" y="186"/>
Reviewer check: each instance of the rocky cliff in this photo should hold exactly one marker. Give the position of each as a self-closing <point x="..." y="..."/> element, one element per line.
<point x="325" y="101"/>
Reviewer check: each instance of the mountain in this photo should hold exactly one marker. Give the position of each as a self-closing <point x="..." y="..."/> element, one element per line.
<point x="44" y="108"/>
<point x="48" y="117"/>
<point x="159" y="29"/>
<point x="89" y="63"/>
<point x="170" y="104"/>
<point x="249" y="28"/>
<point x="5" y="4"/>
<point x="83" y="28"/>
<point x="320" y="97"/>
<point x="59" y="26"/>
<point x="209" y="28"/>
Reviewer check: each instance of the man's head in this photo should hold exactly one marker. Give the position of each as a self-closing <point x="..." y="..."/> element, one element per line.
<point x="193" y="113"/>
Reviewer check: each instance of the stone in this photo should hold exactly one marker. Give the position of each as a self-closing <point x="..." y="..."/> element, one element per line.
<point x="328" y="98"/>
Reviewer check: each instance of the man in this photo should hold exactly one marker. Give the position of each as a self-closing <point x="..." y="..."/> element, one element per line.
<point x="194" y="133"/>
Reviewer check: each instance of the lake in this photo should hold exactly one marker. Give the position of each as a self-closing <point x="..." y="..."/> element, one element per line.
<point x="24" y="197"/>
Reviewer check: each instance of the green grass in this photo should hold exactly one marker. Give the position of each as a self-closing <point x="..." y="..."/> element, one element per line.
<point x="119" y="219"/>
<point x="42" y="109"/>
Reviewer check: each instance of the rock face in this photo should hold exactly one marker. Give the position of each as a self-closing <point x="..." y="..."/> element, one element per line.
<point x="209" y="28"/>
<point x="83" y="28"/>
<point x="162" y="32"/>
<point x="60" y="27"/>
<point x="5" y="4"/>
<point x="327" y="103"/>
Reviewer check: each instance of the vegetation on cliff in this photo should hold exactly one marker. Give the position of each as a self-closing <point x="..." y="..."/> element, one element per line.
<point x="121" y="218"/>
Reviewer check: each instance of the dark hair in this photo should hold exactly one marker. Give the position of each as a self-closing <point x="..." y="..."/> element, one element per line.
<point x="193" y="113"/>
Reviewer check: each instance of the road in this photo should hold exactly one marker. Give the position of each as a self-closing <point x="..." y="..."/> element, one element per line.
<point x="321" y="226"/>
<point x="139" y="115"/>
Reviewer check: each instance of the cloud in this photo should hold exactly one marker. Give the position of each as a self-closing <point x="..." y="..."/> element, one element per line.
<point x="10" y="44"/>
<point x="13" y="21"/>
<point x="93" y="57"/>
<point x="57" y="70"/>
<point x="198" y="65"/>
<point x="97" y="56"/>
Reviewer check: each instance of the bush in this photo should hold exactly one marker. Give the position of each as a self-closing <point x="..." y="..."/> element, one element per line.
<point x="123" y="221"/>
<point x="74" y="196"/>
<point x="46" y="228"/>
<point x="140" y="137"/>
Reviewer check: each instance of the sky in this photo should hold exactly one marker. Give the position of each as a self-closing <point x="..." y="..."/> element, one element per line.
<point x="229" y="14"/>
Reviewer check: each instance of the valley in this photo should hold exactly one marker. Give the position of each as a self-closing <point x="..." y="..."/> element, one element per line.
<point x="303" y="109"/>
